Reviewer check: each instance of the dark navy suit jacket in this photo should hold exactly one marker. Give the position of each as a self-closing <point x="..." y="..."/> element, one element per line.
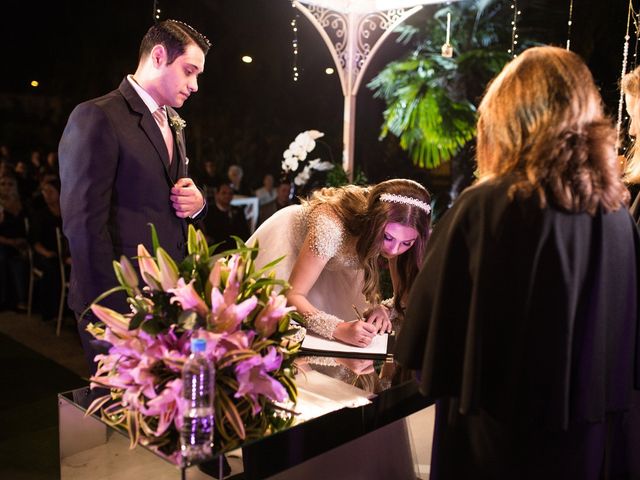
<point x="116" y="180"/>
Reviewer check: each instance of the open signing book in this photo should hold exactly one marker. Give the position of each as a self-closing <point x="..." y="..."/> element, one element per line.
<point x="380" y="348"/>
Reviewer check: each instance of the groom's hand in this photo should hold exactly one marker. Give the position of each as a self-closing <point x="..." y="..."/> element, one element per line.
<point x="186" y="199"/>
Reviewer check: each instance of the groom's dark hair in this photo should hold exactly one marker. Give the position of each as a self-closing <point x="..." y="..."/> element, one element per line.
<point x="175" y="36"/>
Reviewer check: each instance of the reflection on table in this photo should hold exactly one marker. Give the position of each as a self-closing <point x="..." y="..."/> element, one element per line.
<point x="340" y="400"/>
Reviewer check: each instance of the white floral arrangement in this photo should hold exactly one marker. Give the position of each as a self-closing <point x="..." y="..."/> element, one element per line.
<point x="295" y="158"/>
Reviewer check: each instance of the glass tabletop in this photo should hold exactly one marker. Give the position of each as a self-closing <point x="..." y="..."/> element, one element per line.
<point x="348" y="397"/>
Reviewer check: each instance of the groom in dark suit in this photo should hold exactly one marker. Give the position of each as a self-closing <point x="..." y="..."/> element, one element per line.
<point x="123" y="165"/>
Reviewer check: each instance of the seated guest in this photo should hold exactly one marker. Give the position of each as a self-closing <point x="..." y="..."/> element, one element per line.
<point x="266" y="192"/>
<point x="238" y="186"/>
<point x="281" y="200"/>
<point x="209" y="178"/>
<point x="13" y="246"/>
<point x="36" y="165"/>
<point x="45" y="245"/>
<point x="27" y="185"/>
<point x="523" y="322"/>
<point x="223" y="220"/>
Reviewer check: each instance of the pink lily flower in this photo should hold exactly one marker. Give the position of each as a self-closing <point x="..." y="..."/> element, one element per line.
<point x="141" y="374"/>
<point x="268" y="319"/>
<point x="232" y="288"/>
<point x="216" y="273"/>
<point x="228" y="317"/>
<point x="188" y="297"/>
<point x="117" y="322"/>
<point x="254" y="379"/>
<point x="129" y="274"/>
<point x="148" y="268"/>
<point x="167" y="406"/>
<point x="238" y="340"/>
<point x="168" y="270"/>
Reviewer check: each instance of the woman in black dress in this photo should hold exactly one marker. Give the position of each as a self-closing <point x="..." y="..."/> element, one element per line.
<point x="523" y="323"/>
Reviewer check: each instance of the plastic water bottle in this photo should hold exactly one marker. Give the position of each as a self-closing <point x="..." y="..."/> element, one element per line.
<point x="196" y="437"/>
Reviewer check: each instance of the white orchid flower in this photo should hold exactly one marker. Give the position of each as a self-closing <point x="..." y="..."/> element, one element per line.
<point x="319" y="165"/>
<point x="297" y="150"/>
<point x="303" y="177"/>
<point x="302" y="138"/>
<point x="305" y="141"/>
<point x="315" y="134"/>
<point x="290" y="164"/>
<point x="296" y="155"/>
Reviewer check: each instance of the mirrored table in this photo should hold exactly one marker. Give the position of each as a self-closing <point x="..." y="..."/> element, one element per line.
<point x="349" y="423"/>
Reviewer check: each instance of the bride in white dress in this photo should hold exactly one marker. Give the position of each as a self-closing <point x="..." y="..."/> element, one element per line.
<point x="331" y="246"/>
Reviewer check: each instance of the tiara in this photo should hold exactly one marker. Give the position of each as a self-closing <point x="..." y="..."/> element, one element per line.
<point x="392" y="197"/>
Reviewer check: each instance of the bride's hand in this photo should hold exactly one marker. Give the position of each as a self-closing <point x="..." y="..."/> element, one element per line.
<point x="378" y="316"/>
<point x="356" y="333"/>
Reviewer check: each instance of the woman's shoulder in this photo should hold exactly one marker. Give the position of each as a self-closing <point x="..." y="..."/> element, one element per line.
<point x="488" y="189"/>
<point x="323" y="210"/>
<point x="480" y="200"/>
<point x="325" y="229"/>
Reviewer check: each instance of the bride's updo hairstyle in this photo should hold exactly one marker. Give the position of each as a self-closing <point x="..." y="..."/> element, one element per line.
<point x="394" y="201"/>
<point x="349" y="202"/>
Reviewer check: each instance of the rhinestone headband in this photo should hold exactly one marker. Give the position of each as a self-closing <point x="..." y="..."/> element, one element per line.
<point x="392" y="197"/>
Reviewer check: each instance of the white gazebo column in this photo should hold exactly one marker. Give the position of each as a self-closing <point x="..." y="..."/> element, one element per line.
<point x="349" y="134"/>
<point x="353" y="30"/>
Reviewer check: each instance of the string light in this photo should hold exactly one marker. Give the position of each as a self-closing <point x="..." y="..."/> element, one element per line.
<point x="636" y="24"/>
<point x="294" y="44"/>
<point x="156" y="11"/>
<point x="625" y="54"/>
<point x="569" y="23"/>
<point x="514" y="29"/>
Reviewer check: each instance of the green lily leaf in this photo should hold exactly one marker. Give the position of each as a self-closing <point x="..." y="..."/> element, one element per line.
<point x="154" y="237"/>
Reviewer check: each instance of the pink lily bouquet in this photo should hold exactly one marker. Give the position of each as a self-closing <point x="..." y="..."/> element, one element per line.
<point x="222" y="299"/>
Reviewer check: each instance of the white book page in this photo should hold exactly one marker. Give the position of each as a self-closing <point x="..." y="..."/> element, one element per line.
<point x="378" y="345"/>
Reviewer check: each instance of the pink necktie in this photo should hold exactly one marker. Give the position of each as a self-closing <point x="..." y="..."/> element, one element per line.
<point x="161" y="118"/>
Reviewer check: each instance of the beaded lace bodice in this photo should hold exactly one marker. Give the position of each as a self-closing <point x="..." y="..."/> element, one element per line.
<point x="339" y="286"/>
<point x="327" y="236"/>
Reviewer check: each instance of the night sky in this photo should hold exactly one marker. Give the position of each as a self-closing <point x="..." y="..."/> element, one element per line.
<point x="80" y="49"/>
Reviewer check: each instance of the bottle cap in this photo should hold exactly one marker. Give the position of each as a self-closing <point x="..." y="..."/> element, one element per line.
<point x="198" y="345"/>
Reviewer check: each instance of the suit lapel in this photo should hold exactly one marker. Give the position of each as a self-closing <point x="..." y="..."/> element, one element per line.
<point x="181" y="157"/>
<point x="147" y="124"/>
<point x="178" y="138"/>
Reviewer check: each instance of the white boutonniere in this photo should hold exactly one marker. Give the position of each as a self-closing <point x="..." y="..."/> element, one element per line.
<point x="177" y="123"/>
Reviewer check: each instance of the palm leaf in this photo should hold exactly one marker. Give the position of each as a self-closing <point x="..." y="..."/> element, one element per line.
<point x="431" y="99"/>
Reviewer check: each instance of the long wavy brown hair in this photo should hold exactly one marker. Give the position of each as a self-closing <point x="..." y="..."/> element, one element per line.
<point x="365" y="216"/>
<point x="630" y="85"/>
<point x="541" y="120"/>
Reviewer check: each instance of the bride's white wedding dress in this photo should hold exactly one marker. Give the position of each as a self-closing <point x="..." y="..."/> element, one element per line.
<point x="339" y="286"/>
<point x="336" y="291"/>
